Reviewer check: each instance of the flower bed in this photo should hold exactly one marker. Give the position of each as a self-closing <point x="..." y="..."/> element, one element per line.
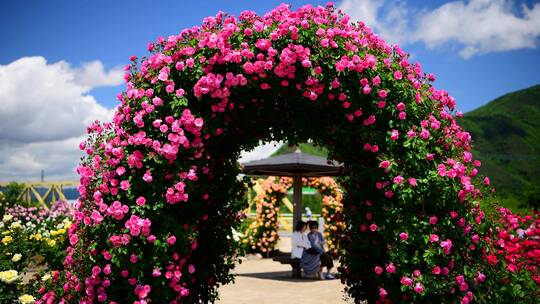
<point x="32" y="239"/>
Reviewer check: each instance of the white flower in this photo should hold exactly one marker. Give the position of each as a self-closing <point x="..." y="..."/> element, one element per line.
<point x="7" y="217"/>
<point x="236" y="235"/>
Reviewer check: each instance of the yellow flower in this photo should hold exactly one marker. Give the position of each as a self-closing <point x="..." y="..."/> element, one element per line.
<point x="36" y="236"/>
<point x="51" y="242"/>
<point x="7" y="217"/>
<point x="46" y="277"/>
<point x="15" y="225"/>
<point x="58" y="232"/>
<point x="9" y="276"/>
<point x="16" y="257"/>
<point x="7" y="239"/>
<point x="26" y="299"/>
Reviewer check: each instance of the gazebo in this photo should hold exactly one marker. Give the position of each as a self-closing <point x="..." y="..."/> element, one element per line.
<point x="295" y="165"/>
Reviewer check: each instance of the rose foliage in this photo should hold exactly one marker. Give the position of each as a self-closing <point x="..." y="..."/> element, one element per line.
<point x="159" y="188"/>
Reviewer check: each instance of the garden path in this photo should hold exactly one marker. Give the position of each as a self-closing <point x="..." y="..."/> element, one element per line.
<point x="263" y="281"/>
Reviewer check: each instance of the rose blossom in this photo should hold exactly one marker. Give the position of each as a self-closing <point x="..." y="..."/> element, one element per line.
<point x="390" y="268"/>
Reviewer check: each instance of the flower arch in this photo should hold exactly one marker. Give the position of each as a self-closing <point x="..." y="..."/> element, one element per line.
<point x="159" y="188"/>
<point x="262" y="234"/>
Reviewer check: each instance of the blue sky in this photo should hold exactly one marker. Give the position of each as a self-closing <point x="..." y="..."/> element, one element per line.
<point x="478" y="49"/>
<point x="111" y="31"/>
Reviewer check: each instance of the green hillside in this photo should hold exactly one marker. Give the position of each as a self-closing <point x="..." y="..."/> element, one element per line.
<point x="506" y="138"/>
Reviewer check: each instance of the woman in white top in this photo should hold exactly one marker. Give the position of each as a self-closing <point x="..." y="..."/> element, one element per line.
<point x="299" y="242"/>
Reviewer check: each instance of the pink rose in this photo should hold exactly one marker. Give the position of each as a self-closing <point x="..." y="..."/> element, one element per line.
<point x="120" y="170"/>
<point x="394" y="135"/>
<point x="124" y="185"/>
<point x="446" y="245"/>
<point x="403" y="236"/>
<point x="140" y="201"/>
<point x="406" y="281"/>
<point x="390" y="268"/>
<point x="382" y="293"/>
<point x="398" y="179"/>
<point x="418" y="288"/>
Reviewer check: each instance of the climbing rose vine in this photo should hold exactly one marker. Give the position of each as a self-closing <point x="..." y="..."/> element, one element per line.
<point x="159" y="187"/>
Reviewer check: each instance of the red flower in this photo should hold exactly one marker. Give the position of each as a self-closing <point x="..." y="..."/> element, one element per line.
<point x="492" y="259"/>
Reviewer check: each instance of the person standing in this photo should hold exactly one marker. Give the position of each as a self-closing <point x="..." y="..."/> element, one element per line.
<point x="299" y="242"/>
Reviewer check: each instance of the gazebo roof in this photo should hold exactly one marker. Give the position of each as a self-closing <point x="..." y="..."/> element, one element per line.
<point x="290" y="164"/>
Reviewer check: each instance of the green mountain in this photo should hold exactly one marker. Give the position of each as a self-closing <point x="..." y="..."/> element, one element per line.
<point x="506" y="138"/>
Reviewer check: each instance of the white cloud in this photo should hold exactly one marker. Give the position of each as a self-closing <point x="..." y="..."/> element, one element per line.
<point x="24" y="162"/>
<point x="44" y="102"/>
<point x="481" y="26"/>
<point x="93" y="74"/>
<point x="44" y="111"/>
<point x="391" y="22"/>
<point x="475" y="26"/>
